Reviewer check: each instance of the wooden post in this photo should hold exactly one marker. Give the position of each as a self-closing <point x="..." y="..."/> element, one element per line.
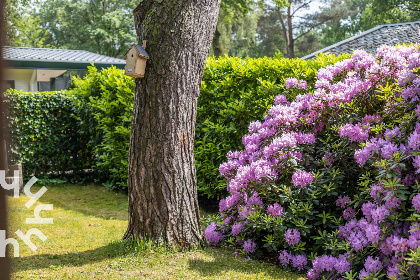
<point x="4" y="262"/>
<point x="3" y="156"/>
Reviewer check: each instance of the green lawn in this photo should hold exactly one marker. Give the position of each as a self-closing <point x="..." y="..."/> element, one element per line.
<point x="85" y="243"/>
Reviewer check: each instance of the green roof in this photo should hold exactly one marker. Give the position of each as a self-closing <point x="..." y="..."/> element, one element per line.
<point x="38" y="58"/>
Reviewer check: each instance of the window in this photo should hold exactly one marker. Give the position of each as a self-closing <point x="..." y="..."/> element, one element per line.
<point x="8" y="84"/>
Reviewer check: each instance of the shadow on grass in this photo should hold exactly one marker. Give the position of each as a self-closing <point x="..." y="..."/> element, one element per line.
<point x="101" y="202"/>
<point x="110" y="252"/>
<point x="225" y="261"/>
<point x="222" y="261"/>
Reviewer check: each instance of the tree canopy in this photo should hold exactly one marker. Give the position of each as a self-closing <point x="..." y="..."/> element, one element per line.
<point x="254" y="28"/>
<point x="102" y="26"/>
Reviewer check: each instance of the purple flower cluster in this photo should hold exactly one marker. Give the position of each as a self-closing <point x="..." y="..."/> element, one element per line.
<point x="212" y="235"/>
<point x="237" y="228"/>
<point x="293" y="82"/>
<point x="327" y="263"/>
<point x="274" y="210"/>
<point x="292" y="236"/>
<point x="416" y="202"/>
<point x="356" y="133"/>
<point x="342" y="201"/>
<point x="277" y="147"/>
<point x="349" y="213"/>
<point x="280" y="99"/>
<point x="301" y="178"/>
<point x="355" y="233"/>
<point x="249" y="246"/>
<point x="298" y="261"/>
<point x="372" y="266"/>
<point x="328" y="159"/>
<point x="382" y="147"/>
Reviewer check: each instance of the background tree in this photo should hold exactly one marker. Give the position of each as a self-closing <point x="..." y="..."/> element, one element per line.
<point x="342" y="28"/>
<point x="378" y="12"/>
<point x="231" y="12"/>
<point x="295" y="23"/>
<point x="162" y="187"/>
<point x="14" y="23"/>
<point x="271" y="40"/>
<point x="367" y="14"/>
<point x="102" y="26"/>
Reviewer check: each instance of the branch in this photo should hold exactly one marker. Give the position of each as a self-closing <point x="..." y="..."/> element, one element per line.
<point x="413" y="9"/>
<point x="313" y="27"/>
<point x="283" y="25"/>
<point x="303" y="17"/>
<point x="300" y="7"/>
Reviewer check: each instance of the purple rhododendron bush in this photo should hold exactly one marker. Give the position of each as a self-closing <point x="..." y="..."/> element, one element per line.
<point x="327" y="184"/>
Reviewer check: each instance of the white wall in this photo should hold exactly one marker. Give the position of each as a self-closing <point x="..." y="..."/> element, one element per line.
<point x="25" y="79"/>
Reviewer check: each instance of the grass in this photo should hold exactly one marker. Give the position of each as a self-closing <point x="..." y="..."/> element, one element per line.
<point x="85" y="243"/>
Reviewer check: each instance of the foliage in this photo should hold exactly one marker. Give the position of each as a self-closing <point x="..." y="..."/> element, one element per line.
<point x="13" y="23"/>
<point x="340" y="29"/>
<point x="261" y="28"/>
<point x="104" y="27"/>
<point x="87" y="127"/>
<point x="106" y="105"/>
<point x="235" y="91"/>
<point x="235" y="33"/>
<point x="271" y="41"/>
<point x="243" y="24"/>
<point x="332" y="177"/>
<point x="388" y="11"/>
<point x="44" y="133"/>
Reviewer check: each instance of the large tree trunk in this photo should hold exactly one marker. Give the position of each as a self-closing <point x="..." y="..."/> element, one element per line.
<point x="162" y="179"/>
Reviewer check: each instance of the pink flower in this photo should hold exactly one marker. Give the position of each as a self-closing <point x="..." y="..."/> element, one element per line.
<point x="302" y="178"/>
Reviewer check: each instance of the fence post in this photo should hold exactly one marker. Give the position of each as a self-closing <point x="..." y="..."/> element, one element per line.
<point x="4" y="262"/>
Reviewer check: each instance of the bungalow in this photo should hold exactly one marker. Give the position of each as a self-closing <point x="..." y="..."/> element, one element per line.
<point x="38" y="69"/>
<point x="370" y="40"/>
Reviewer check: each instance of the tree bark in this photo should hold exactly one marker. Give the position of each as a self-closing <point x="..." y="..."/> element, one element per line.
<point x="162" y="178"/>
<point x="217" y="49"/>
<point x="291" y="41"/>
<point x="287" y="30"/>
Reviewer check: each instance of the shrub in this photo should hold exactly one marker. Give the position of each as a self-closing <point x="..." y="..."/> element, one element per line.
<point x="331" y="177"/>
<point x="85" y="127"/>
<point x="234" y="92"/>
<point x="105" y="110"/>
<point x="44" y="133"/>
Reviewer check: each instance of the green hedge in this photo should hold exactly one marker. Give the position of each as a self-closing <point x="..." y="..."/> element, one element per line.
<point x="44" y="133"/>
<point x="235" y="92"/>
<point x="105" y="110"/>
<point x="86" y="127"/>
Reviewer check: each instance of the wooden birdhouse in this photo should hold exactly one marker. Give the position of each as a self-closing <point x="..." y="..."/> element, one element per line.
<point x="135" y="64"/>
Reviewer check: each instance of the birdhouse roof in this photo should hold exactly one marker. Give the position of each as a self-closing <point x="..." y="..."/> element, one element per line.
<point x="140" y="50"/>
